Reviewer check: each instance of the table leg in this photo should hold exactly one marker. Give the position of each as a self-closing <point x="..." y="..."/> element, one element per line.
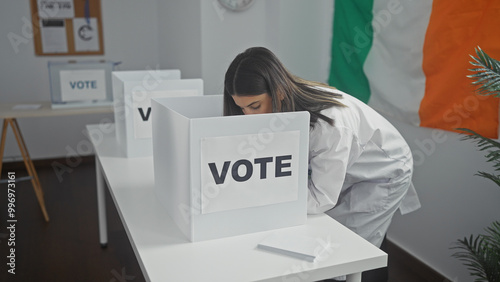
<point x="2" y="143"/>
<point x="29" y="166"/>
<point x="101" y="204"/>
<point x="355" y="277"/>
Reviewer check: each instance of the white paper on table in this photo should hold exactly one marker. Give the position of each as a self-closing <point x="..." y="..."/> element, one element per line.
<point x="83" y="85"/>
<point x="62" y="9"/>
<point x="53" y="33"/>
<point x="26" y="107"/>
<point x="86" y="34"/>
<point x="263" y="187"/>
<point x="298" y="246"/>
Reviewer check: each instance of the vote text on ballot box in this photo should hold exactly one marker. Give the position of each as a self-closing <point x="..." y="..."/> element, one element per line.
<point x="222" y="176"/>
<point x="132" y="93"/>
<point x="80" y="84"/>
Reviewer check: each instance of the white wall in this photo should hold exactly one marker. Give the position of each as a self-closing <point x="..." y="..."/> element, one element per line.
<point x="225" y="34"/>
<point x="180" y="41"/>
<point x="305" y="34"/>
<point x="455" y="202"/>
<point x="130" y="35"/>
<point x="212" y="36"/>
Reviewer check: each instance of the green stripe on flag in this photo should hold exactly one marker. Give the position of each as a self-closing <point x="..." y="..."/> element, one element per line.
<point x="352" y="40"/>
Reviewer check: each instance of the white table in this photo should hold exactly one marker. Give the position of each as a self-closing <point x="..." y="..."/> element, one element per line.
<point x="164" y="254"/>
<point x="10" y="112"/>
<point x="45" y="110"/>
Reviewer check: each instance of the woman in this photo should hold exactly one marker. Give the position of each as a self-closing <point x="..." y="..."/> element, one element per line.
<point x="360" y="166"/>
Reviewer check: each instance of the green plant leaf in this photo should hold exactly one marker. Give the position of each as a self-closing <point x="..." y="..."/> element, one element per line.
<point x="481" y="254"/>
<point x="471" y="253"/>
<point x="491" y="242"/>
<point x="486" y="75"/>
<point x="489" y="176"/>
<point x="484" y="144"/>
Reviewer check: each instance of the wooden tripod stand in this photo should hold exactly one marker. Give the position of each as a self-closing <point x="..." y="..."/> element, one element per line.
<point x="27" y="160"/>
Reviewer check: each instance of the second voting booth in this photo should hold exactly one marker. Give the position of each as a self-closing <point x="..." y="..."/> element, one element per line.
<point x="132" y="93"/>
<point x="221" y="176"/>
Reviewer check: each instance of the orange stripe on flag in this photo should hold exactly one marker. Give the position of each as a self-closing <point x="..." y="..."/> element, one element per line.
<point x="453" y="31"/>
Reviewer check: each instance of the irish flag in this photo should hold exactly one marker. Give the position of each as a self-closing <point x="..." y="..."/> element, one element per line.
<point x="409" y="59"/>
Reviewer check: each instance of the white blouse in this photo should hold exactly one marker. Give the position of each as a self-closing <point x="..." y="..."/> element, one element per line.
<point x="361" y="147"/>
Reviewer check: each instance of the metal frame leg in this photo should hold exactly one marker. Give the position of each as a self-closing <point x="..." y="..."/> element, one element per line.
<point x="355" y="277"/>
<point x="101" y="204"/>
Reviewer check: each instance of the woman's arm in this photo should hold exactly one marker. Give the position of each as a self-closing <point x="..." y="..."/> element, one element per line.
<point x="331" y="151"/>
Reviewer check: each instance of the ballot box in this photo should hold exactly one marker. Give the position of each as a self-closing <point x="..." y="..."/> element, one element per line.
<point x="132" y="93"/>
<point x="220" y="176"/>
<point x="80" y="84"/>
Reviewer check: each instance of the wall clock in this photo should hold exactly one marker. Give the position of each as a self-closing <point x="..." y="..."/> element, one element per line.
<point x="236" y="5"/>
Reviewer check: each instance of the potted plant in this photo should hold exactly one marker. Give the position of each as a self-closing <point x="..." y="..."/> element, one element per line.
<point x="481" y="253"/>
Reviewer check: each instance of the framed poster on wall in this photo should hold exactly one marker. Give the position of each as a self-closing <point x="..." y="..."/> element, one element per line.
<point x="67" y="27"/>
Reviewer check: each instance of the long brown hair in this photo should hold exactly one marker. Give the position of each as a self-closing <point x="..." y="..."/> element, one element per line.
<point x="257" y="70"/>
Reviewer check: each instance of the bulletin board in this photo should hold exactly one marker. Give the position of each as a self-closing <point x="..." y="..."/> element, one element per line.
<point x="67" y="27"/>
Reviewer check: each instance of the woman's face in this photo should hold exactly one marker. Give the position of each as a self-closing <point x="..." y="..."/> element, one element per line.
<point x="256" y="104"/>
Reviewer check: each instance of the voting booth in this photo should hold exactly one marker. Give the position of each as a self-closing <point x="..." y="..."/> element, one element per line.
<point x="222" y="176"/>
<point x="80" y="84"/>
<point x="132" y="93"/>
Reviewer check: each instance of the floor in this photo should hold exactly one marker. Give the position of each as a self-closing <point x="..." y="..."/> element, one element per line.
<point x="67" y="248"/>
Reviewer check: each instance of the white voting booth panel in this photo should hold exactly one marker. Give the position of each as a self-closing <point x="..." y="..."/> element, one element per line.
<point x="132" y="92"/>
<point x="223" y="176"/>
